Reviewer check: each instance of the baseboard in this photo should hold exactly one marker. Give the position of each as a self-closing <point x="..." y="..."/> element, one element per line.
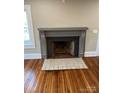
<point x="32" y="56"/>
<point x="90" y="54"/>
<point x="38" y="55"/>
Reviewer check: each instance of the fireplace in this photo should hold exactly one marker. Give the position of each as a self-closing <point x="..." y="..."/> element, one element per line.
<point x="62" y="42"/>
<point x="62" y="47"/>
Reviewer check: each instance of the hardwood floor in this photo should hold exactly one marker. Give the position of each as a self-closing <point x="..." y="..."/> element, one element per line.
<point x="66" y="81"/>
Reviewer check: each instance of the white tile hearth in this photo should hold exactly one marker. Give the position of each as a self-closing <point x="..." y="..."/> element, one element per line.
<point x="63" y="64"/>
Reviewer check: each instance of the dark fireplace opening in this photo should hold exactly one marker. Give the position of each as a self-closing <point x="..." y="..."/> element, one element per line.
<point x="62" y="47"/>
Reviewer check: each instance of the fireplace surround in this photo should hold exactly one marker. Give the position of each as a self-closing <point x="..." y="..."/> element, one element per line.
<point x="48" y="36"/>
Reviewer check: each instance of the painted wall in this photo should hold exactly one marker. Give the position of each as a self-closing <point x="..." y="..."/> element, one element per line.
<point x="54" y="13"/>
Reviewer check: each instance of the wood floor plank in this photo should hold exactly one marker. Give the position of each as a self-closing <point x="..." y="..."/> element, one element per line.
<point x="64" y="81"/>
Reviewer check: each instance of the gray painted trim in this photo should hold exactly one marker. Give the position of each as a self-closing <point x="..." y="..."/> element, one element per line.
<point x="43" y="45"/>
<point x="82" y="43"/>
<point x="60" y="32"/>
<point x="44" y="56"/>
<point x="64" y="29"/>
<point x="81" y="55"/>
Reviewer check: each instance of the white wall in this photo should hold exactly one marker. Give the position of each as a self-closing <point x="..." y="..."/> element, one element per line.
<point x="54" y="13"/>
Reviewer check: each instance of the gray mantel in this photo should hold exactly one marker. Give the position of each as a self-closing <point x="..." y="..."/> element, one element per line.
<point x="64" y="28"/>
<point x="62" y="32"/>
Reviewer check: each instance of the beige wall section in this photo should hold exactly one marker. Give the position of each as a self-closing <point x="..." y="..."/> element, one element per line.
<point x="54" y="13"/>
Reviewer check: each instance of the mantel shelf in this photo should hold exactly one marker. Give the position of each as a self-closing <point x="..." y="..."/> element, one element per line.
<point x="64" y="29"/>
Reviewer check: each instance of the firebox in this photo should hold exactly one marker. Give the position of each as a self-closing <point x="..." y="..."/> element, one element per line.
<point x="62" y="47"/>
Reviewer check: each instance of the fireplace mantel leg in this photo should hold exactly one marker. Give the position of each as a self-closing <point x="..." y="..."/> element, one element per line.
<point x="82" y="44"/>
<point x="43" y="47"/>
